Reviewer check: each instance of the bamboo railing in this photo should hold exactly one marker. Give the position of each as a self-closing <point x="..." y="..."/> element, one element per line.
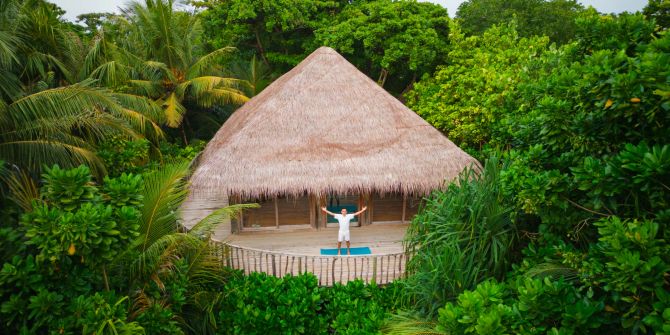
<point x="379" y="269"/>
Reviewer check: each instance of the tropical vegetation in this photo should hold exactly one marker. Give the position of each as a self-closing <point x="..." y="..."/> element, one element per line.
<point x="563" y="229"/>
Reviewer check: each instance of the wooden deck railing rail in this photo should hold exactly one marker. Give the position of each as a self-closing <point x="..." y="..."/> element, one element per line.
<point x="380" y="269"/>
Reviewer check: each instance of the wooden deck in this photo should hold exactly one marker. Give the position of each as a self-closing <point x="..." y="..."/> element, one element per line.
<point x="381" y="238"/>
<point x="282" y="253"/>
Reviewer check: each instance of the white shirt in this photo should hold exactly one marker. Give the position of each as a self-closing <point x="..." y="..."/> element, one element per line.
<point x="344" y="221"/>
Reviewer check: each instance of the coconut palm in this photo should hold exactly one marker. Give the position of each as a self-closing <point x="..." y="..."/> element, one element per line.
<point x="43" y="120"/>
<point x="165" y="248"/>
<point x="175" y="75"/>
<point x="62" y="125"/>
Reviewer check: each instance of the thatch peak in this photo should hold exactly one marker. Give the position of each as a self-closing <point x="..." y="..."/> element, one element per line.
<point x="326" y="127"/>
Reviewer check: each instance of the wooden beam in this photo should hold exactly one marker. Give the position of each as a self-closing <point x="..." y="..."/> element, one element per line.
<point x="240" y="222"/>
<point x="361" y="218"/>
<point x="324" y="217"/>
<point x="276" y="212"/>
<point x="371" y="208"/>
<point x="404" y="206"/>
<point x="312" y="211"/>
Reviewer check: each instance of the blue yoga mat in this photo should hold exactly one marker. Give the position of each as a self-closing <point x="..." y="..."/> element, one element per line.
<point x="354" y="251"/>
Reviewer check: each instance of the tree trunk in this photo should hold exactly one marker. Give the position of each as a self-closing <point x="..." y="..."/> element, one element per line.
<point x="382" y="77"/>
<point x="259" y="46"/>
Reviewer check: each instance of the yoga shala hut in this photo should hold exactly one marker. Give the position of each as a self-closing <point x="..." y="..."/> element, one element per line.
<point x="323" y="134"/>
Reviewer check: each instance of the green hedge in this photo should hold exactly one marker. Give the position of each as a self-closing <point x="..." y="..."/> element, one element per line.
<point x="262" y="304"/>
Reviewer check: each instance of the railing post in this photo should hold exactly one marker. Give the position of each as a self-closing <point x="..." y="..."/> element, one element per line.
<point x="374" y="270"/>
<point x="274" y="269"/>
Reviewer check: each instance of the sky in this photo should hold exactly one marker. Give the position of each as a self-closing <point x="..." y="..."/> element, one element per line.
<point x="76" y="7"/>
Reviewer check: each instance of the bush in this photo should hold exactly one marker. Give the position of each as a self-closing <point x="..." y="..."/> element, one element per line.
<point x="72" y="232"/>
<point x="354" y="308"/>
<point x="529" y="306"/>
<point x="462" y="236"/>
<point x="262" y="304"/>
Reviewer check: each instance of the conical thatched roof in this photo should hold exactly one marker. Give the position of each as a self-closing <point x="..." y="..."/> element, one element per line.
<point x="326" y="127"/>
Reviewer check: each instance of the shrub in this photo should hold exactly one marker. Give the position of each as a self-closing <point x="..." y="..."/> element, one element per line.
<point x="462" y="236"/>
<point x="262" y="304"/>
<point x="354" y="308"/>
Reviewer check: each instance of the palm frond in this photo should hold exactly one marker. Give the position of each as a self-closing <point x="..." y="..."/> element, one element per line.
<point x="205" y="63"/>
<point x="31" y="154"/>
<point x="553" y="270"/>
<point x="154" y="70"/>
<point x="111" y="73"/>
<point x="22" y="189"/>
<point x="405" y="323"/>
<point x="174" y="111"/>
<point x="142" y="112"/>
<point x="209" y="90"/>
<point x="8" y="43"/>
<point x="203" y="229"/>
<point x="164" y="190"/>
<point x="148" y="88"/>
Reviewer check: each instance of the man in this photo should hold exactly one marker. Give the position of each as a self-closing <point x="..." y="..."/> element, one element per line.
<point x="344" y="220"/>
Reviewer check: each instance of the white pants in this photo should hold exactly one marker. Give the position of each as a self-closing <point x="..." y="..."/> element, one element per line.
<point x="343" y="236"/>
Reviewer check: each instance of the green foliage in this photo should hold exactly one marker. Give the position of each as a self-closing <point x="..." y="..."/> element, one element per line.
<point x="552" y="18"/>
<point x="261" y="304"/>
<point x="174" y="152"/>
<point x="160" y="60"/>
<point x="634" y="181"/>
<point x="280" y="32"/>
<point x="73" y="231"/>
<point x="76" y="219"/>
<point x="467" y="98"/>
<point x="630" y="262"/>
<point x="586" y="124"/>
<point x="581" y="127"/>
<point x="100" y="314"/>
<point x="395" y="41"/>
<point x="530" y="306"/>
<point x="659" y="10"/>
<point x="462" y="236"/>
<point x="119" y="155"/>
<point x="258" y="303"/>
<point x="621" y="32"/>
<point x="355" y="308"/>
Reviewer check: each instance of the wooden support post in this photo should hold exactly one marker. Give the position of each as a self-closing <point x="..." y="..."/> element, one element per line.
<point x="240" y="222"/>
<point x="276" y="213"/>
<point x="324" y="217"/>
<point x="404" y="206"/>
<point x="361" y="218"/>
<point x="312" y="211"/>
<point x="374" y="270"/>
<point x="371" y="209"/>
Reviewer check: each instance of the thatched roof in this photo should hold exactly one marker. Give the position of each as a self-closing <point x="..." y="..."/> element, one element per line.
<point x="326" y="127"/>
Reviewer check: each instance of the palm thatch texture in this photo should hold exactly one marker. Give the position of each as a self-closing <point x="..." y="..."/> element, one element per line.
<point x="326" y="127"/>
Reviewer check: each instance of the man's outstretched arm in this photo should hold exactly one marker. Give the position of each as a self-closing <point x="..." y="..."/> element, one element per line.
<point x="361" y="211"/>
<point x="326" y="211"/>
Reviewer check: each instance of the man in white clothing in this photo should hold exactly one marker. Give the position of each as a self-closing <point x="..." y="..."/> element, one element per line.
<point x="344" y="219"/>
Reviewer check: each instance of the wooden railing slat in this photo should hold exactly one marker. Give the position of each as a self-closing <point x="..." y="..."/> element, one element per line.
<point x="328" y="270"/>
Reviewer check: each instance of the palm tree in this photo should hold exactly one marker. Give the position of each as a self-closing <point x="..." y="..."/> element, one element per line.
<point x="43" y="120"/>
<point x="163" y="243"/>
<point x="62" y="125"/>
<point x="175" y="75"/>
